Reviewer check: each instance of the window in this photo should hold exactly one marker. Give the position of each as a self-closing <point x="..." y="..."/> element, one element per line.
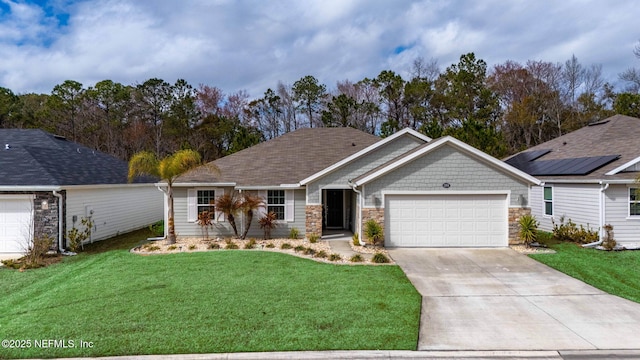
<point x="634" y="201"/>
<point x="276" y="203"/>
<point x="548" y="200"/>
<point x="206" y="200"/>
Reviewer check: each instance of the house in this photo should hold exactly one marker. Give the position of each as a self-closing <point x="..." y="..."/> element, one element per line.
<point x="589" y="176"/>
<point x="440" y="193"/>
<point x="49" y="184"/>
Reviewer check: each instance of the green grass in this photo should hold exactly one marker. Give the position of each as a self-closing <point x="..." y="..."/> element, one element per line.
<point x="615" y="272"/>
<point x="225" y="301"/>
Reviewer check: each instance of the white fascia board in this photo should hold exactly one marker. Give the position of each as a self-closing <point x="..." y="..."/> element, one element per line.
<point x="29" y="188"/>
<point x="364" y="151"/>
<point x="440" y="142"/>
<point x="624" y="166"/>
<point x="107" y="186"/>
<point x="198" y="184"/>
<point x="270" y="187"/>
<point x="589" y="181"/>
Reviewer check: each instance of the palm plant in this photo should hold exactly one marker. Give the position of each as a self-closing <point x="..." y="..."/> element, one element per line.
<point x="229" y="204"/>
<point x="528" y="229"/>
<point x="250" y="203"/>
<point x="168" y="169"/>
<point x="267" y="223"/>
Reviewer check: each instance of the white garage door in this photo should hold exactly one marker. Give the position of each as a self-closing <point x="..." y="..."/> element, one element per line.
<point x="446" y="220"/>
<point x="15" y="215"/>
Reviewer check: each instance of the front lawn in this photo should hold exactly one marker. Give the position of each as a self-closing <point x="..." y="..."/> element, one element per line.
<point x="615" y="272"/>
<point x="223" y="301"/>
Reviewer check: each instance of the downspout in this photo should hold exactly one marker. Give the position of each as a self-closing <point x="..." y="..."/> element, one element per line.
<point x="60" y="213"/>
<point x="603" y="188"/>
<point x="165" y="212"/>
<point x="360" y="200"/>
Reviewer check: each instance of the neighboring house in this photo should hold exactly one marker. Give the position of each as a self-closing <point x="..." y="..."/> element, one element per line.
<point x="589" y="177"/>
<point x="49" y="184"/>
<point x="440" y="193"/>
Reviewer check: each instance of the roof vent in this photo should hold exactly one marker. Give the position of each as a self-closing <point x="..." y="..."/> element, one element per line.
<point x="7" y="147"/>
<point x="598" y="123"/>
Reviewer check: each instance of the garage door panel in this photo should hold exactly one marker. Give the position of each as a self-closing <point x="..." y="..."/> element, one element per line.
<point x="446" y="220"/>
<point x="15" y="213"/>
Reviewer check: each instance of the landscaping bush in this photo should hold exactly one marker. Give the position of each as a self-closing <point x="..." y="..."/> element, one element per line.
<point x="335" y="257"/>
<point x="285" y="246"/>
<point x="192" y="247"/>
<point x="172" y="247"/>
<point x="321" y="254"/>
<point x="355" y="239"/>
<point x="150" y="247"/>
<point x="571" y="232"/>
<point x="308" y="251"/>
<point x="380" y="258"/>
<point x="294" y="233"/>
<point x="528" y="229"/>
<point x="608" y="243"/>
<point x="299" y="248"/>
<point x="267" y="223"/>
<point x="313" y="238"/>
<point x="250" y="244"/>
<point x="270" y="245"/>
<point x="356" y="258"/>
<point x="373" y="231"/>
<point x="214" y="246"/>
<point x="231" y="245"/>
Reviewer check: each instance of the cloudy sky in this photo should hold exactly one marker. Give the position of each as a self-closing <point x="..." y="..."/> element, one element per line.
<point x="252" y="44"/>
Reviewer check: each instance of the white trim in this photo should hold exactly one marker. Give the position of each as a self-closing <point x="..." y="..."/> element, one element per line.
<point x="17" y="196"/>
<point x="629" y="216"/>
<point x="268" y="187"/>
<point x="457" y="143"/>
<point x="593" y="181"/>
<point x="107" y="186"/>
<point x="365" y="151"/>
<point x="192" y="204"/>
<point x="446" y="192"/>
<point x="30" y="188"/>
<point x="198" y="185"/>
<point x="624" y="166"/>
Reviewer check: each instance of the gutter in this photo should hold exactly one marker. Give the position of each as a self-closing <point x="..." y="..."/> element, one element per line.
<point x="60" y="228"/>
<point x="360" y="199"/>
<point x="603" y="188"/>
<point x="159" y="186"/>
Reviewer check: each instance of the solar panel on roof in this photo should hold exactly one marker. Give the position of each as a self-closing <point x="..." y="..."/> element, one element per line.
<point x="573" y="166"/>
<point x="522" y="159"/>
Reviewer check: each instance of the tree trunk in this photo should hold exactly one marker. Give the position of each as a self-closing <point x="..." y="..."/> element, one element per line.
<point x="232" y="221"/>
<point x="171" y="233"/>
<point x="248" y="224"/>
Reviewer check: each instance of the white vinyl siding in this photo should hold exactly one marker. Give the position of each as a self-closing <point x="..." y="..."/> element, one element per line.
<point x="578" y="202"/>
<point x="200" y="200"/>
<point x="116" y="210"/>
<point x="625" y="228"/>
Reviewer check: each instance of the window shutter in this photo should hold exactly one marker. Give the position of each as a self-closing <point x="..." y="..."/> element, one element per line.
<point x="192" y="206"/>
<point x="289" y="209"/>
<point x="262" y="211"/>
<point x="219" y="215"/>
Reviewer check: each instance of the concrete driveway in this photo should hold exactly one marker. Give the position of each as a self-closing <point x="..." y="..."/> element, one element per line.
<point x="498" y="299"/>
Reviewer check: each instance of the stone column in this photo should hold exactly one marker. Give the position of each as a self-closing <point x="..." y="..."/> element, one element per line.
<point x="313" y="220"/>
<point x="514" y="227"/>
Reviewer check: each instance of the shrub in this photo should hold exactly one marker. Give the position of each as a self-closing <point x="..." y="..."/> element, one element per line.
<point x="77" y="237"/>
<point x="205" y="219"/>
<point x="192" y="247"/>
<point x="285" y="246"/>
<point x="231" y="245"/>
<point x="313" y="238"/>
<point x="335" y="257"/>
<point x="172" y="247"/>
<point x="37" y="251"/>
<point x="308" y="251"/>
<point x="321" y="254"/>
<point x="149" y="247"/>
<point x="299" y="248"/>
<point x="571" y="232"/>
<point x="157" y="228"/>
<point x="528" y="229"/>
<point x="355" y="239"/>
<point x="356" y="258"/>
<point x="373" y="231"/>
<point x="270" y="245"/>
<point x="267" y="223"/>
<point x="379" y="258"/>
<point x="608" y="243"/>
<point x="250" y="244"/>
<point x="213" y="246"/>
<point x="294" y="233"/>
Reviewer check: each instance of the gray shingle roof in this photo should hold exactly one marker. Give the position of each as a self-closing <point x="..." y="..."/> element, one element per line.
<point x="287" y="159"/>
<point x="37" y="158"/>
<point x="617" y="135"/>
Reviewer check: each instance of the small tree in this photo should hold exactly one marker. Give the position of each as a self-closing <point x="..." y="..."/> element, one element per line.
<point x="167" y="169"/>
<point x="204" y="220"/>
<point x="249" y="204"/>
<point x="528" y="229"/>
<point x="229" y="205"/>
<point x="373" y="231"/>
<point x="268" y="222"/>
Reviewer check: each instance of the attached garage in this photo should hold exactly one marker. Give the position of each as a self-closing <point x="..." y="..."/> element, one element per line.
<point x="446" y="220"/>
<point x="15" y="220"/>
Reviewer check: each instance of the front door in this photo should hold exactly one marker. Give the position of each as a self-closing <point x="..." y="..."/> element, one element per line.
<point x="334" y="209"/>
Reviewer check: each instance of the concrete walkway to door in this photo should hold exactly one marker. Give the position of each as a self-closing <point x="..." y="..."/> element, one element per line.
<point x="498" y="299"/>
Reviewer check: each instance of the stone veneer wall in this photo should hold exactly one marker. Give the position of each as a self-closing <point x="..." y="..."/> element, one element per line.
<point x="313" y="220"/>
<point x="46" y="220"/>
<point x="514" y="227"/>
